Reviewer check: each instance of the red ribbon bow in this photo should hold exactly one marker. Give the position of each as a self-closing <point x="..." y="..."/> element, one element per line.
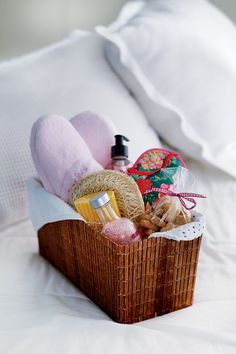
<point x="182" y="196"/>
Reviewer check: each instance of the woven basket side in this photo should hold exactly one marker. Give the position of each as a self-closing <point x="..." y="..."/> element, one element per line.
<point x="177" y="269"/>
<point x="136" y="294"/>
<point x="85" y="257"/>
<point x="130" y="283"/>
<point x="136" y="277"/>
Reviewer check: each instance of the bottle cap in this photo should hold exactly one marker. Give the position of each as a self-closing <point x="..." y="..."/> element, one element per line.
<point x="119" y="149"/>
<point x="99" y="200"/>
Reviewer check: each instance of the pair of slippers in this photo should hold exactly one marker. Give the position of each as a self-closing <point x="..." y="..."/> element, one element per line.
<point x="65" y="151"/>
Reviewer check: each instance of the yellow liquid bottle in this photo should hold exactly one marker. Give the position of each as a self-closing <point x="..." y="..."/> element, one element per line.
<point x="101" y="203"/>
<point x="85" y="209"/>
<point x="120" y="230"/>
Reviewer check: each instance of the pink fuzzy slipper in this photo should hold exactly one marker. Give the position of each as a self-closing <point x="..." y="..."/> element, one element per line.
<point x="98" y="131"/>
<point x="60" y="155"/>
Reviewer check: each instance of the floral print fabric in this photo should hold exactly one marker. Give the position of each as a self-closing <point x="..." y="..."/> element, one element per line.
<point x="155" y="168"/>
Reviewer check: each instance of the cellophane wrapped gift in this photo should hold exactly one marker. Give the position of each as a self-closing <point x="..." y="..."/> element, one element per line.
<point x="172" y="207"/>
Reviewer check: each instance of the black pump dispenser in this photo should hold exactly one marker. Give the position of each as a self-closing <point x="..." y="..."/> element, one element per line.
<point x="119" y="149"/>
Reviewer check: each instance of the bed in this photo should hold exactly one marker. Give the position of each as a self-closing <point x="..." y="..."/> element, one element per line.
<point x="40" y="310"/>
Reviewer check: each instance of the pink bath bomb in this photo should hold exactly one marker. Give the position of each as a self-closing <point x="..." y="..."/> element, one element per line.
<point x="121" y="231"/>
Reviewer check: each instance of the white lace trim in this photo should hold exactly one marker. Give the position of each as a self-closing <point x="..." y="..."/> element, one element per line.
<point x="185" y="232"/>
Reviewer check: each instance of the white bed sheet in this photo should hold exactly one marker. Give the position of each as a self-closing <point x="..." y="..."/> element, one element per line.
<point x="42" y="312"/>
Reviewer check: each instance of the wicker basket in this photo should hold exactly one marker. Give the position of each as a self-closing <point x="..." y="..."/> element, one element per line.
<point x="130" y="283"/>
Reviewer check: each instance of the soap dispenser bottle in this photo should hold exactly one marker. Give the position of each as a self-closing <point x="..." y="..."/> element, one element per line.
<point x="119" y="154"/>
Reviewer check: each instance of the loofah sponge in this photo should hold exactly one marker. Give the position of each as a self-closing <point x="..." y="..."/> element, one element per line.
<point x="126" y="191"/>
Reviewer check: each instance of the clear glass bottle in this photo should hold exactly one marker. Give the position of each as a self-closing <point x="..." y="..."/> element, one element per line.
<point x="119" y="230"/>
<point x="121" y="164"/>
<point x="101" y="204"/>
<point x="119" y="155"/>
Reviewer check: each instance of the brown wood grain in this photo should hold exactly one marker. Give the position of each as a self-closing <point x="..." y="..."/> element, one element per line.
<point x="130" y="283"/>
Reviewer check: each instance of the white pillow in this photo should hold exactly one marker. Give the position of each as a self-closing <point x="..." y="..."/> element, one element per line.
<point x="65" y="78"/>
<point x="178" y="58"/>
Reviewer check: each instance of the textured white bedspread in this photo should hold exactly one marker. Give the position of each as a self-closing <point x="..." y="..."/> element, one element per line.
<point x="41" y="312"/>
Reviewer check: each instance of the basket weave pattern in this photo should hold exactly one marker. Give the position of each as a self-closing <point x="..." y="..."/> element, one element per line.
<point x="130" y="283"/>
